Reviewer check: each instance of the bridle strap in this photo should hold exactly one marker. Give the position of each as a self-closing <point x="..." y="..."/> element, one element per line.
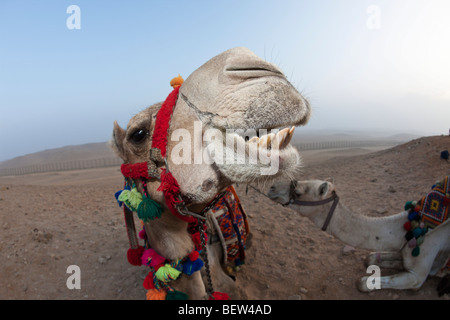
<point x="334" y="197"/>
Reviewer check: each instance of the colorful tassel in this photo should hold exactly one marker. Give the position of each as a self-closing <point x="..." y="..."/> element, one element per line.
<point x="189" y="267"/>
<point x="142" y="235"/>
<point x="148" y="282"/>
<point x="118" y="193"/>
<point x="176" y="295"/>
<point x="149" y="209"/>
<point x="219" y="296"/>
<point x="155" y="294"/>
<point x="194" y="255"/>
<point x="151" y="258"/>
<point x="131" y="198"/>
<point x="134" y="256"/>
<point x="167" y="273"/>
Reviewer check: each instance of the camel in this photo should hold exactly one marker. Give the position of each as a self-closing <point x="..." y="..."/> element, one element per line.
<point x="385" y="235"/>
<point x="225" y="97"/>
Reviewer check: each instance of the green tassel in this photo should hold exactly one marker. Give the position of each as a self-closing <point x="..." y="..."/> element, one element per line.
<point x="415" y="252"/>
<point x="167" y="273"/>
<point x="149" y="209"/>
<point x="176" y="295"/>
<point x="132" y="198"/>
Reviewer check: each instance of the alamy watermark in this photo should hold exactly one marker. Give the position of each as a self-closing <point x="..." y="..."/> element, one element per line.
<point x="373" y="21"/>
<point x="374" y="280"/>
<point x="74" y="20"/>
<point x="74" y="280"/>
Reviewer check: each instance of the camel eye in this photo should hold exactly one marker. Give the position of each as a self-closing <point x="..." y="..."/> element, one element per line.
<point x="139" y="135"/>
<point x="298" y="194"/>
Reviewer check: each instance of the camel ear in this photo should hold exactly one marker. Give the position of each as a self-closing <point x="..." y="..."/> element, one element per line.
<point x="117" y="140"/>
<point x="323" y="189"/>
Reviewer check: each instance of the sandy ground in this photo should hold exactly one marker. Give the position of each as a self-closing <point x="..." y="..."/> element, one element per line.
<point x="50" y="221"/>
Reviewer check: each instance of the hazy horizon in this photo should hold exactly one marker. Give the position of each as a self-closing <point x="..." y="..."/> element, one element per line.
<point x="364" y="65"/>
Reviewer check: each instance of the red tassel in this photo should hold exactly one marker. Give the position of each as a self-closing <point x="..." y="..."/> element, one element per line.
<point x="219" y="296"/>
<point x="194" y="255"/>
<point x="134" y="255"/>
<point x="148" y="282"/>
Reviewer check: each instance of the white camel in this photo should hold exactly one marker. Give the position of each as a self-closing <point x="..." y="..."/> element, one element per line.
<point x="385" y="235"/>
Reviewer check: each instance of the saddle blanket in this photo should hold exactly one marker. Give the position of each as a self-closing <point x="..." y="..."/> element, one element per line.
<point x="232" y="220"/>
<point x="434" y="207"/>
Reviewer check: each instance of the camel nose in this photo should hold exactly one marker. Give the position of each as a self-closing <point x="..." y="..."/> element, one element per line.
<point x="243" y="69"/>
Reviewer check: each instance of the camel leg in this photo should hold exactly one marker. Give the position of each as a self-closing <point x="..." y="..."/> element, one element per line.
<point x="195" y="287"/>
<point x="417" y="270"/>
<point x="221" y="281"/>
<point x="390" y="260"/>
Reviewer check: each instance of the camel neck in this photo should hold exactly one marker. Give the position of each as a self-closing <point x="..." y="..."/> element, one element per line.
<point x="373" y="233"/>
<point x="169" y="236"/>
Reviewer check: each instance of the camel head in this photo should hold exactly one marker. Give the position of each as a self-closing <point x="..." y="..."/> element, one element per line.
<point x="220" y="129"/>
<point x="286" y="192"/>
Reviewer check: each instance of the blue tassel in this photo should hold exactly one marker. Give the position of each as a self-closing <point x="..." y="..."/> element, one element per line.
<point x="189" y="267"/>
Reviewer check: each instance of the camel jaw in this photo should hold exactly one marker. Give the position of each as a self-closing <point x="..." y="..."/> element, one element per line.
<point x="255" y="154"/>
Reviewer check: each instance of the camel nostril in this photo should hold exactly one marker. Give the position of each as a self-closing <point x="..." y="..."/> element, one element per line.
<point x="207" y="185"/>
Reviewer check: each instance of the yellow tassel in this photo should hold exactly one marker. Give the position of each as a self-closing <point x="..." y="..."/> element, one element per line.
<point x="176" y="82"/>
<point x="132" y="198"/>
<point x="155" y="294"/>
<point x="167" y="273"/>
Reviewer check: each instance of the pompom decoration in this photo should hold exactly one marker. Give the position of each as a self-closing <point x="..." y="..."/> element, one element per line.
<point x="417" y="232"/>
<point x="134" y="256"/>
<point x="413" y="215"/>
<point x="167" y="273"/>
<point x="155" y="294"/>
<point x="420" y="240"/>
<point x="149" y="209"/>
<point x="407" y="225"/>
<point x="177" y="81"/>
<point x="118" y="193"/>
<point x="415" y="252"/>
<point x="409" y="235"/>
<point x="142" y="235"/>
<point x="189" y="267"/>
<point x="412" y="243"/>
<point x="148" y="282"/>
<point x="219" y="296"/>
<point x="194" y="255"/>
<point x="410" y="205"/>
<point x="131" y="198"/>
<point x="176" y="295"/>
<point x="151" y="258"/>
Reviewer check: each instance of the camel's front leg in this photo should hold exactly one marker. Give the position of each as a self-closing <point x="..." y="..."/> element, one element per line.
<point x="417" y="270"/>
<point x="220" y="280"/>
<point x="390" y="260"/>
<point x="195" y="287"/>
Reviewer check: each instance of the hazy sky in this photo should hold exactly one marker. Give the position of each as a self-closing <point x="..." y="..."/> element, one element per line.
<point x="371" y="65"/>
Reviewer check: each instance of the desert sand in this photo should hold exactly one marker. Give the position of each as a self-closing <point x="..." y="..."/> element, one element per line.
<point x="49" y="221"/>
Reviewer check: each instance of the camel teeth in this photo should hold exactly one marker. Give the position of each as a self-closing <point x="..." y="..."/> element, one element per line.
<point x="266" y="140"/>
<point x="291" y="131"/>
<point x="255" y="139"/>
<point x="280" y="139"/>
<point x="273" y="141"/>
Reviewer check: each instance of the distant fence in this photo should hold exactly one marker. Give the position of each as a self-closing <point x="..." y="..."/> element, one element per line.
<point x="320" y="145"/>
<point x="62" y="166"/>
<point x="109" y="162"/>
